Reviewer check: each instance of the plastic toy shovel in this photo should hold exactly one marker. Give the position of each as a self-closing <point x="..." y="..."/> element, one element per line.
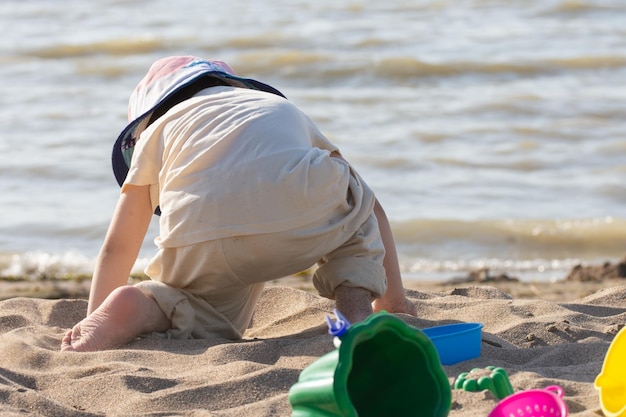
<point x="611" y="383"/>
<point x="381" y="367"/>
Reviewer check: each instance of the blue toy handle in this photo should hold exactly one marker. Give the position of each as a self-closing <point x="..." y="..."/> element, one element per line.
<point x="337" y="328"/>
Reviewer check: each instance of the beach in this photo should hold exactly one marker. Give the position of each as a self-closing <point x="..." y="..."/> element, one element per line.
<point x="542" y="334"/>
<point x="491" y="131"/>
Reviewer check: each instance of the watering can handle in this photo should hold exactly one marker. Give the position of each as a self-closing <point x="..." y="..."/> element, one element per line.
<point x="555" y="389"/>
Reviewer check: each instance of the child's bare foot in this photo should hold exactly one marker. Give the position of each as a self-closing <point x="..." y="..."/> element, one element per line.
<point x="125" y="314"/>
<point x="400" y="305"/>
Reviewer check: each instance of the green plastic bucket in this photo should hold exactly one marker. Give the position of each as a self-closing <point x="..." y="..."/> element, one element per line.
<point x="383" y="367"/>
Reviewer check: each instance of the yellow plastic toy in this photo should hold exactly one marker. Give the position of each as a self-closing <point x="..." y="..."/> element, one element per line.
<point x="611" y="383"/>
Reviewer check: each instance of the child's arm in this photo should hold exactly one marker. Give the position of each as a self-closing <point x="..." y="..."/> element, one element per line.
<point x="394" y="300"/>
<point x="122" y="243"/>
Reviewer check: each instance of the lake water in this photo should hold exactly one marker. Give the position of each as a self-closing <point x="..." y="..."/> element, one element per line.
<point x="493" y="131"/>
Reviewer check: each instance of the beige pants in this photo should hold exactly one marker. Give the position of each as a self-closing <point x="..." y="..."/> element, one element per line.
<point x="210" y="289"/>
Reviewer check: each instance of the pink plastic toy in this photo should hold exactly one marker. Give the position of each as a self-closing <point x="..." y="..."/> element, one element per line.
<point x="547" y="402"/>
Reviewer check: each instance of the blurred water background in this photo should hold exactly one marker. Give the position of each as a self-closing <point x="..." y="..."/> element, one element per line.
<point x="493" y="131"/>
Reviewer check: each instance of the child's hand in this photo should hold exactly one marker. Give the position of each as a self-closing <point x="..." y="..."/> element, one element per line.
<point x="403" y="305"/>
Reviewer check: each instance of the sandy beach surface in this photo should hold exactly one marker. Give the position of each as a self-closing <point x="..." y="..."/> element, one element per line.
<point x="541" y="333"/>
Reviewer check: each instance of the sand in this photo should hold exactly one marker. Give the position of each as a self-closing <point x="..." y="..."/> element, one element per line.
<point x="541" y="334"/>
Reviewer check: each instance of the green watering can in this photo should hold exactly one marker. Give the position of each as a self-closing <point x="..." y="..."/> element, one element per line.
<point x="381" y="367"/>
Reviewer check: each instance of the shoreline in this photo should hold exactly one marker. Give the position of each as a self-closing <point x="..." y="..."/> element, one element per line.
<point x="564" y="290"/>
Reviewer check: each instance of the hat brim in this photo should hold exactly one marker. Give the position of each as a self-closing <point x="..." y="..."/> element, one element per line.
<point x="122" y="149"/>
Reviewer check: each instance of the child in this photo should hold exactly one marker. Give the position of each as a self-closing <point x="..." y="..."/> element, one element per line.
<point x="248" y="190"/>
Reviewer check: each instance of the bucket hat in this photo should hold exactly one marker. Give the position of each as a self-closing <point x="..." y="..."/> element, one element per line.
<point x="168" y="82"/>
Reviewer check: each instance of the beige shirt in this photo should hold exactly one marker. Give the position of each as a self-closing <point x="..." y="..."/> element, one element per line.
<point x="233" y="161"/>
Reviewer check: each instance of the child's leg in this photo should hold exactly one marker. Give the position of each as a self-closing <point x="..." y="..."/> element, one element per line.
<point x="353" y="302"/>
<point x="353" y="273"/>
<point x="124" y="315"/>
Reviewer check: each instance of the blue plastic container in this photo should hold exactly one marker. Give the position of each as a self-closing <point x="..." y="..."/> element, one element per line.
<point x="456" y="342"/>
